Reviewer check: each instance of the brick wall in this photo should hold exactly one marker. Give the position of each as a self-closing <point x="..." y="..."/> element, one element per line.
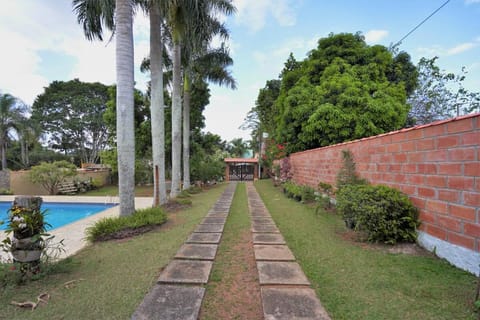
<point x="437" y="165"/>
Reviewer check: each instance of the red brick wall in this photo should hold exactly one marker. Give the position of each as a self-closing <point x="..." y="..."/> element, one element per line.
<point x="437" y="165"/>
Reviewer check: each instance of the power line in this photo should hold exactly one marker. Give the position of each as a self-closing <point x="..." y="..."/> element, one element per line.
<point x="424" y="20"/>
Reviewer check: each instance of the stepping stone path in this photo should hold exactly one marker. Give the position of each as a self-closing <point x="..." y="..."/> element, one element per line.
<point x="285" y="290"/>
<point x="179" y="291"/>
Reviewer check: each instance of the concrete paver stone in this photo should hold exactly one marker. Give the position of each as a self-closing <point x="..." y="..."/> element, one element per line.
<point x="197" y="251"/>
<point x="170" y="302"/>
<point x="268" y="238"/>
<point x="209" y="228"/>
<point x="277" y="252"/>
<point x="216" y="215"/>
<point x="204" y="237"/>
<point x="214" y="220"/>
<point x="262" y="220"/>
<point x="292" y="304"/>
<point x="287" y="273"/>
<point x="186" y="271"/>
<point x="265" y="228"/>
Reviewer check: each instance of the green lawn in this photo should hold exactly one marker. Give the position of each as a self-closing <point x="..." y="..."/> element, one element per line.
<point x="113" y="277"/>
<point x="363" y="283"/>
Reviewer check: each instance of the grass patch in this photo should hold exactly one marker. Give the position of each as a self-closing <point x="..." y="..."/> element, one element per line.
<point x="107" y="227"/>
<point x="354" y="282"/>
<point x="110" y="279"/>
<point x="140" y="191"/>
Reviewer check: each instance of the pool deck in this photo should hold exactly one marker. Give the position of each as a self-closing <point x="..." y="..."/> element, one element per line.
<point x="73" y="234"/>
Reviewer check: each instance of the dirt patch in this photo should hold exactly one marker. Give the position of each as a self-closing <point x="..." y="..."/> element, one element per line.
<point x="175" y="206"/>
<point x="359" y="239"/>
<point x="237" y="294"/>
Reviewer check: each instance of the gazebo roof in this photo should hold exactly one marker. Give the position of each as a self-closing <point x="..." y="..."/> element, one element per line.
<point x="241" y="160"/>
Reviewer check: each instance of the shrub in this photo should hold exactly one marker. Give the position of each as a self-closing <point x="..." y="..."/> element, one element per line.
<point x="299" y="193"/>
<point x="347" y="175"/>
<point x="140" y="218"/>
<point x="384" y="213"/>
<point x="51" y="175"/>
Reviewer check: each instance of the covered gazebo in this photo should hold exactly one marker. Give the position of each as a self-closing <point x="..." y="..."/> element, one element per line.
<point x="240" y="169"/>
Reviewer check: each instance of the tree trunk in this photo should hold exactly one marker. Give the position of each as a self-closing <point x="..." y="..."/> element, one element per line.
<point x="156" y="106"/>
<point x="186" y="132"/>
<point x="176" y="122"/>
<point x="4" y="155"/>
<point x="125" y="124"/>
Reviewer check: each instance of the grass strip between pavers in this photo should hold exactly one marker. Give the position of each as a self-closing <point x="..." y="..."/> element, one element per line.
<point x="109" y="279"/>
<point x="233" y="291"/>
<point x="359" y="282"/>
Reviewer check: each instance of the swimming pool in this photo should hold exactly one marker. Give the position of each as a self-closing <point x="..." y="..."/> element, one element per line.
<point x="59" y="213"/>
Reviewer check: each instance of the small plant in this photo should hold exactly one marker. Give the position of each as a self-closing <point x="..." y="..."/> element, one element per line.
<point x="347" y="175"/>
<point x="285" y="170"/>
<point x="384" y="213"/>
<point x="6" y="192"/>
<point x="323" y="196"/>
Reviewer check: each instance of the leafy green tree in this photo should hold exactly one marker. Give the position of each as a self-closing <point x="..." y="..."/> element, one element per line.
<point x="208" y="152"/>
<point x="12" y="112"/>
<point x="440" y="95"/>
<point x="71" y="113"/>
<point x="51" y="174"/>
<point x="344" y="90"/>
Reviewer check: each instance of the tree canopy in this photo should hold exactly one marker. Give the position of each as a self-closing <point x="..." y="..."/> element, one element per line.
<point x="440" y="95"/>
<point x="343" y="90"/>
<point x="70" y="113"/>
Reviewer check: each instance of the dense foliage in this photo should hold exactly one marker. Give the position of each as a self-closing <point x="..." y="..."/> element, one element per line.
<point x="71" y="113"/>
<point x="383" y="213"/>
<point x="51" y="174"/>
<point x="344" y="90"/>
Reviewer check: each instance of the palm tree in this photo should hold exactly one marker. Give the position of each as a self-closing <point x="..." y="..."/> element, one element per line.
<point x="93" y="15"/>
<point x="185" y="18"/>
<point x="11" y="113"/>
<point x="157" y="103"/>
<point x="211" y="66"/>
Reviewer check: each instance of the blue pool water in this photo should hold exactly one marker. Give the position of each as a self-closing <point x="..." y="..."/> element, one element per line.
<point x="59" y="213"/>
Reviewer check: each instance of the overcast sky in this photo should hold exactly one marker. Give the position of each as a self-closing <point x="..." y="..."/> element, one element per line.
<point x="42" y="42"/>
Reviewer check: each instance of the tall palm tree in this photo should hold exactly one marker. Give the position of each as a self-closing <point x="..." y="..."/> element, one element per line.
<point x="211" y="65"/>
<point x="157" y="102"/>
<point x="184" y="19"/>
<point x="12" y="112"/>
<point x="93" y="15"/>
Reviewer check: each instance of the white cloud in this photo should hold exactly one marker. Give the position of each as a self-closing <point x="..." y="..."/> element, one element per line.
<point x="467" y="2"/>
<point x="375" y="36"/>
<point x="461" y="48"/>
<point x="254" y="13"/>
<point x="30" y="27"/>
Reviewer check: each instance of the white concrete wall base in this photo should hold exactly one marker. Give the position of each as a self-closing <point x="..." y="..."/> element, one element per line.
<point x="460" y="257"/>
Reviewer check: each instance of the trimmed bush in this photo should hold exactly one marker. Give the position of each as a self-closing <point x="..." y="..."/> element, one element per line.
<point x="384" y="213"/>
<point x="298" y="192"/>
<point x="140" y="218"/>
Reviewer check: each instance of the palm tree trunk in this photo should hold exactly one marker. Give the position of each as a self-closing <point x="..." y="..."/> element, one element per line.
<point x="156" y="107"/>
<point x="176" y="122"/>
<point x="4" y="155"/>
<point x="186" y="132"/>
<point x="125" y="124"/>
